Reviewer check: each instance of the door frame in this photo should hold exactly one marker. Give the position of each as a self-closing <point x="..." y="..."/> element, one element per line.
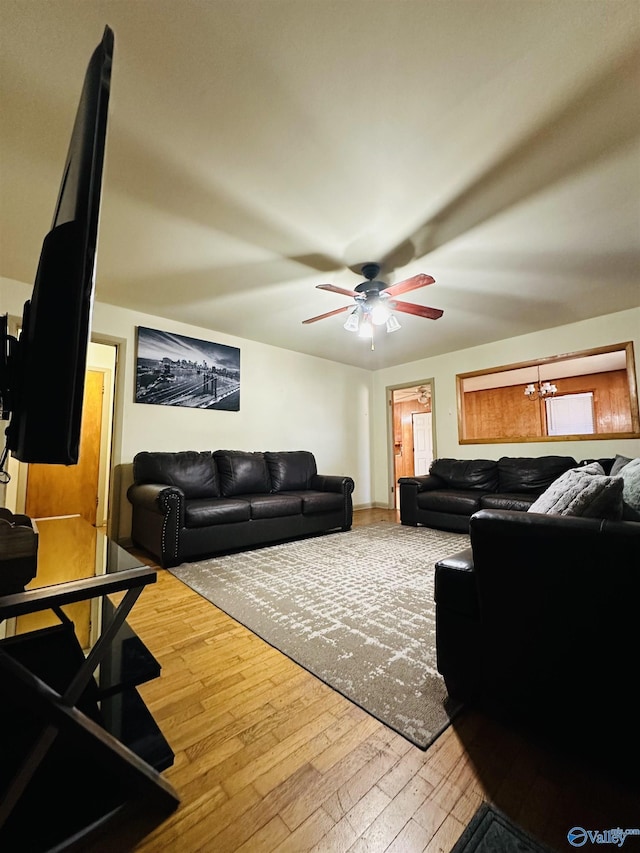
<point x="392" y="485"/>
<point x="109" y="424"/>
<point x="17" y="488"/>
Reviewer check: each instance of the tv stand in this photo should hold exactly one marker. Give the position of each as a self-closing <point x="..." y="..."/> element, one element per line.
<point x="80" y="749"/>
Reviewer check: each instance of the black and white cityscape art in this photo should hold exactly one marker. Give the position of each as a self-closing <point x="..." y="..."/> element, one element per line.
<point x="173" y="370"/>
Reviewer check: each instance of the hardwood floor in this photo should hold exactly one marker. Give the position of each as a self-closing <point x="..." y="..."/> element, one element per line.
<point x="268" y="758"/>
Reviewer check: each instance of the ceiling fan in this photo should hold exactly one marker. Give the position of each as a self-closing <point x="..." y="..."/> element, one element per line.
<point x="375" y="302"/>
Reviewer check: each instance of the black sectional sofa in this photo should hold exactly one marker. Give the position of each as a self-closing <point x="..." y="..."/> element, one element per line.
<point x="190" y="505"/>
<point x="537" y="622"/>
<point x="454" y="489"/>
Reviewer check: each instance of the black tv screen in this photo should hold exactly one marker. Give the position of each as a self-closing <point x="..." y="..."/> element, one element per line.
<point x="42" y="372"/>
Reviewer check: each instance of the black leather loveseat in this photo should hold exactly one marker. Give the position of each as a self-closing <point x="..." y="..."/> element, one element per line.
<point x="538" y="621"/>
<point x="189" y="505"/>
<point x="454" y="489"/>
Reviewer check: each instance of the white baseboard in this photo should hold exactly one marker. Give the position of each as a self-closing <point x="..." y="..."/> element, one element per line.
<point x="374" y="505"/>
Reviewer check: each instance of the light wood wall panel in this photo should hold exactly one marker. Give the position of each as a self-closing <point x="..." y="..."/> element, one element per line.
<point x="507" y="413"/>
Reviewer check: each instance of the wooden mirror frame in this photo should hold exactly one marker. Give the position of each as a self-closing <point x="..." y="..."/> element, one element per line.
<point x="539" y="364"/>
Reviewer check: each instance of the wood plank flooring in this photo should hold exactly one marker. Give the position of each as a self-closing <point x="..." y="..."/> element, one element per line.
<point x="268" y="758"/>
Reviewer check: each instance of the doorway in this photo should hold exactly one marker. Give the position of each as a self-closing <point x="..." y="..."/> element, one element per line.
<point x="82" y="489"/>
<point x="412" y="432"/>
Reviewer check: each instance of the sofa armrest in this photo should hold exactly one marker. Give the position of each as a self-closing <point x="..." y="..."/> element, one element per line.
<point x="423" y="483"/>
<point x="409" y="489"/>
<point x="455" y="582"/>
<point x="332" y="483"/>
<point x="157" y="519"/>
<point x="156" y="497"/>
<point x="457" y="624"/>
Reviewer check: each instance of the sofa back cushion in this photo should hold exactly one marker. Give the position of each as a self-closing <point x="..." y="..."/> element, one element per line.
<point x="606" y="463"/>
<point x="475" y="474"/>
<point x="242" y="473"/>
<point x="291" y="470"/>
<point x="531" y="474"/>
<point x="190" y="470"/>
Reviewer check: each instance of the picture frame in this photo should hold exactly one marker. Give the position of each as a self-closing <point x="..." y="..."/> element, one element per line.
<point x="176" y="370"/>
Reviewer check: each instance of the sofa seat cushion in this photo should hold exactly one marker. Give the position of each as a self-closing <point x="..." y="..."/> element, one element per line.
<point x="519" y="502"/>
<point x="291" y="469"/>
<point x="313" y="502"/>
<point x="242" y="473"/>
<point x="450" y="500"/>
<point x="273" y="506"/>
<point x="190" y="470"/>
<point x="204" y="512"/>
<point x="476" y="474"/>
<point x="531" y="474"/>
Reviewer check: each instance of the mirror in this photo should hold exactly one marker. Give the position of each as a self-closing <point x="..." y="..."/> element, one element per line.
<point x="576" y="396"/>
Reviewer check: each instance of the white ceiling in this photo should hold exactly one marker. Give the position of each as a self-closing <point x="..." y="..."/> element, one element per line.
<point x="258" y="148"/>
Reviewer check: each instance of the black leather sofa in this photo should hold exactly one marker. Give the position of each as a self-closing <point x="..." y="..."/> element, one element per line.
<point x="190" y="505"/>
<point x="538" y="621"/>
<point x="454" y="489"/>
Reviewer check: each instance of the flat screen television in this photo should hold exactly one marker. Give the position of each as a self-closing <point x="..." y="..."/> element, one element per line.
<point x="42" y="372"/>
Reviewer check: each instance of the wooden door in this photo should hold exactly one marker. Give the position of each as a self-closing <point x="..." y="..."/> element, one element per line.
<point x="77" y="542"/>
<point x="72" y="489"/>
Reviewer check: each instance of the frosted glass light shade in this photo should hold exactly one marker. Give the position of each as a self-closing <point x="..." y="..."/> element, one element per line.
<point x="352" y="321"/>
<point x="392" y="323"/>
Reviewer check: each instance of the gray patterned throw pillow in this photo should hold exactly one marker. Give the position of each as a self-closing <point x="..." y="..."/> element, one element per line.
<point x="630" y="476"/>
<point x="582" y="492"/>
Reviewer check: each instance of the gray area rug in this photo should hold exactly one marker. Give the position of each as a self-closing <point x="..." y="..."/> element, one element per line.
<point x="491" y="831"/>
<point x="354" y="608"/>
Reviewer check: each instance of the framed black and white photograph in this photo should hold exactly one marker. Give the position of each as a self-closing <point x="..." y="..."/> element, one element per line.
<point x="173" y="370"/>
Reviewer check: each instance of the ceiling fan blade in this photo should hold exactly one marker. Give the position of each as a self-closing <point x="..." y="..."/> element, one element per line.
<point x="413" y="283"/>
<point x="328" y="314"/>
<point x="335" y="289"/>
<point x="418" y="310"/>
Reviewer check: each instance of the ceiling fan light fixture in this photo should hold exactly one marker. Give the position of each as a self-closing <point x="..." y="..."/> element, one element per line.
<point x="379" y="312"/>
<point x="352" y="321"/>
<point x="424" y="395"/>
<point x="366" y="328"/>
<point x="392" y="324"/>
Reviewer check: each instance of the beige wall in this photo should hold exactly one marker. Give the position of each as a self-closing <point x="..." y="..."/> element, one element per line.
<point x="601" y="331"/>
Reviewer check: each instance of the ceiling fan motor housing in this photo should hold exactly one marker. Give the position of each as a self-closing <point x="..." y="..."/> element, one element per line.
<point x="372" y="286"/>
<point x="370" y="270"/>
